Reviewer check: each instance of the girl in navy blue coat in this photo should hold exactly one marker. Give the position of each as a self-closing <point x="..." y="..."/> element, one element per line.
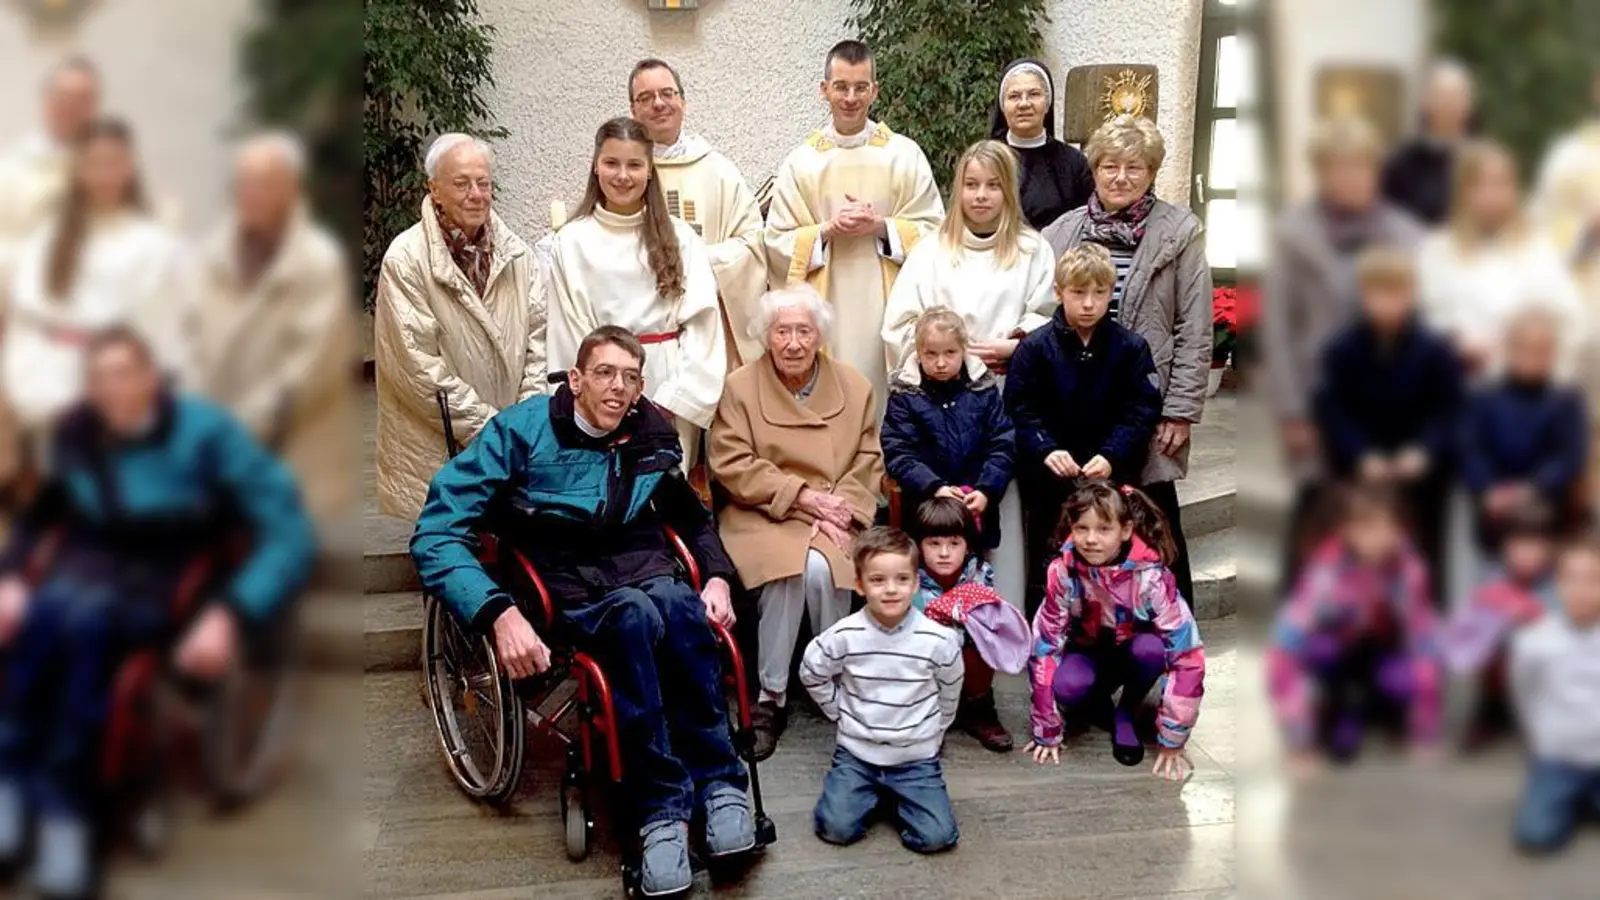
<point x="1525" y="439"/>
<point x="946" y="432"/>
<point x="1085" y="397"/>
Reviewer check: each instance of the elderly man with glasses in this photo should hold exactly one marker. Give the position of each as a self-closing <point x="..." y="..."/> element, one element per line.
<point x="460" y="307"/>
<point x="583" y="482"/>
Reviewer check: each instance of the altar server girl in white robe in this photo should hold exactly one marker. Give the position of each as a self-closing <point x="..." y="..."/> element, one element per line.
<point x="993" y="270"/>
<point x="624" y="261"/>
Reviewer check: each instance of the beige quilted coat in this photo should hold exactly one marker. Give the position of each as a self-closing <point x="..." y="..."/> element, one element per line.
<point x="280" y="354"/>
<point x="432" y="331"/>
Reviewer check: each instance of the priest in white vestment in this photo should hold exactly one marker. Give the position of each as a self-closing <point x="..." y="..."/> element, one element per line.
<point x="988" y="266"/>
<point x="707" y="191"/>
<point x="848" y="205"/>
<point x="624" y="261"/>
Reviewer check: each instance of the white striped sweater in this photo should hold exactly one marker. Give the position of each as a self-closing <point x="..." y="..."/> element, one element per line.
<point x="892" y="691"/>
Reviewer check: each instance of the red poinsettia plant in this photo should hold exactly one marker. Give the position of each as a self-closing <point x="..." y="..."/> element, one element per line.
<point x="1233" y="315"/>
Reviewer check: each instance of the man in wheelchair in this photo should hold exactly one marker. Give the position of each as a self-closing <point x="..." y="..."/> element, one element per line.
<point x="137" y="482"/>
<point x="584" y="482"/>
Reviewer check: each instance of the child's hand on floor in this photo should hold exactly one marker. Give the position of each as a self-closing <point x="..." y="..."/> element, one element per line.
<point x="1042" y="754"/>
<point x="1172" y="764"/>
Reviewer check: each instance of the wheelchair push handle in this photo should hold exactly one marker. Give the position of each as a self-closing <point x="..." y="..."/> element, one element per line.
<point x="451" y="448"/>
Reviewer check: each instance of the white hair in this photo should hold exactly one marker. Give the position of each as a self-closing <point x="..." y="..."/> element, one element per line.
<point x="1451" y="72"/>
<point x="444" y="143"/>
<point x="795" y="296"/>
<point x="285" y="144"/>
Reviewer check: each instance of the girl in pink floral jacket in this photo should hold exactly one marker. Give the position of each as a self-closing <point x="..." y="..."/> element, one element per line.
<point x="1112" y="617"/>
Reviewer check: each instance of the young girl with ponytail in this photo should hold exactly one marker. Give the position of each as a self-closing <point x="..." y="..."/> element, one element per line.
<point x="1112" y="618"/>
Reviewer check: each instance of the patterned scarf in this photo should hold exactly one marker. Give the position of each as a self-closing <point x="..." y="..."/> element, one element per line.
<point x="1123" y="229"/>
<point x="473" y="257"/>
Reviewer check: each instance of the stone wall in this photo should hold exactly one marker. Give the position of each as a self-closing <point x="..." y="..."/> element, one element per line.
<point x="751" y="70"/>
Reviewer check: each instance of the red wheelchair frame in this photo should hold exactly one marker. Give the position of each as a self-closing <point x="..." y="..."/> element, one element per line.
<point x="596" y="733"/>
<point x="133" y="738"/>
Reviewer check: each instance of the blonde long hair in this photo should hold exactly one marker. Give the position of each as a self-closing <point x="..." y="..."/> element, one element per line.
<point x="1470" y="163"/>
<point x="1002" y="161"/>
<point x="659" y="238"/>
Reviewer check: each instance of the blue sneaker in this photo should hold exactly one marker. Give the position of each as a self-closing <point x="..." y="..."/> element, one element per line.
<point x="664" y="859"/>
<point x="63" y="867"/>
<point x="13" y="827"/>
<point x="729" y="826"/>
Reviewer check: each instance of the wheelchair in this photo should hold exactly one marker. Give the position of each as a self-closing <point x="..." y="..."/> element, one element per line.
<point x="483" y="717"/>
<point x="242" y="724"/>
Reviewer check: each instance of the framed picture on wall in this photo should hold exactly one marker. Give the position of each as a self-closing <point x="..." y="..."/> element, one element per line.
<point x="1376" y="93"/>
<point x="1097" y="93"/>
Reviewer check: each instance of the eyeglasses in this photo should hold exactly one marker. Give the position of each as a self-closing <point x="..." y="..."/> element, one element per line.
<point x="465" y="185"/>
<point x="1131" y="171"/>
<point x="631" y="378"/>
<point x="1032" y="96"/>
<point x="645" y="98"/>
<point x="857" y="89"/>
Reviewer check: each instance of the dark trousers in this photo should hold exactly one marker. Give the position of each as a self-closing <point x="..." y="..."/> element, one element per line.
<point x="914" y="793"/>
<point x="1089" y="676"/>
<point x="1558" y="796"/>
<point x="1357" y="684"/>
<point x="58" y="678"/>
<point x="676" y="745"/>
<point x="1165" y="495"/>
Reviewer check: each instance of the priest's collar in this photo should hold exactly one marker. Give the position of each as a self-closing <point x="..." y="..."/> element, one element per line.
<point x="849" y="141"/>
<point x="678" y="149"/>
<point x="1026" y="143"/>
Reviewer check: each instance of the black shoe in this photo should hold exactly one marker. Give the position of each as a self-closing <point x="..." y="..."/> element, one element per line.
<point x="1127" y="754"/>
<point x="767" y="720"/>
<point x="979" y="718"/>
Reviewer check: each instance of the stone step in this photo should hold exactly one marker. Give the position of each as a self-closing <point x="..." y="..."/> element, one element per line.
<point x="1213" y="558"/>
<point x="392" y="635"/>
<point x="392" y="621"/>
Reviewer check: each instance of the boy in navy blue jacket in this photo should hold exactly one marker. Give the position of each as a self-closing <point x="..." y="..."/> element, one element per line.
<point x="1085" y="398"/>
<point x="1389" y="401"/>
<point x="1525" y="438"/>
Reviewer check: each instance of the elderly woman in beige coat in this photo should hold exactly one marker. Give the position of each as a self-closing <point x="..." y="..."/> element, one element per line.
<point x="275" y="329"/>
<point x="796" y="469"/>
<point x="1162" y="293"/>
<point x="460" y="308"/>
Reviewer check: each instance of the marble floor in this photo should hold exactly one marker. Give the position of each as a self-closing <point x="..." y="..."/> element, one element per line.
<point x="1089" y="828"/>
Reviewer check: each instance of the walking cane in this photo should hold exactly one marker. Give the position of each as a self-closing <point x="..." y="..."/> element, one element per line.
<point x="451" y="448"/>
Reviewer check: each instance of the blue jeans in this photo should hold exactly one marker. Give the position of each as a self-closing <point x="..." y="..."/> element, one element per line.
<point x="1557" y="797"/>
<point x="854" y="789"/>
<point x="58" y="674"/>
<point x="673" y="748"/>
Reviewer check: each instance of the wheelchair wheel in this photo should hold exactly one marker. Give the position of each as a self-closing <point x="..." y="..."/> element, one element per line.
<point x="575" y="816"/>
<point x="478" y="715"/>
<point x="249" y="722"/>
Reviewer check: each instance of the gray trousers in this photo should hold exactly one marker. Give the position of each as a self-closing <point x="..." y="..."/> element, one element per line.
<point x="780" y="607"/>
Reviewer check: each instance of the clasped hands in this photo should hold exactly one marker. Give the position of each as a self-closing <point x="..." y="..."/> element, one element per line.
<point x="831" y="514"/>
<point x="858" y="218"/>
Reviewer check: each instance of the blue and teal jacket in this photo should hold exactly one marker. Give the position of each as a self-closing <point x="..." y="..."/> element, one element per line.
<point x="151" y="503"/>
<point x="588" y="512"/>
